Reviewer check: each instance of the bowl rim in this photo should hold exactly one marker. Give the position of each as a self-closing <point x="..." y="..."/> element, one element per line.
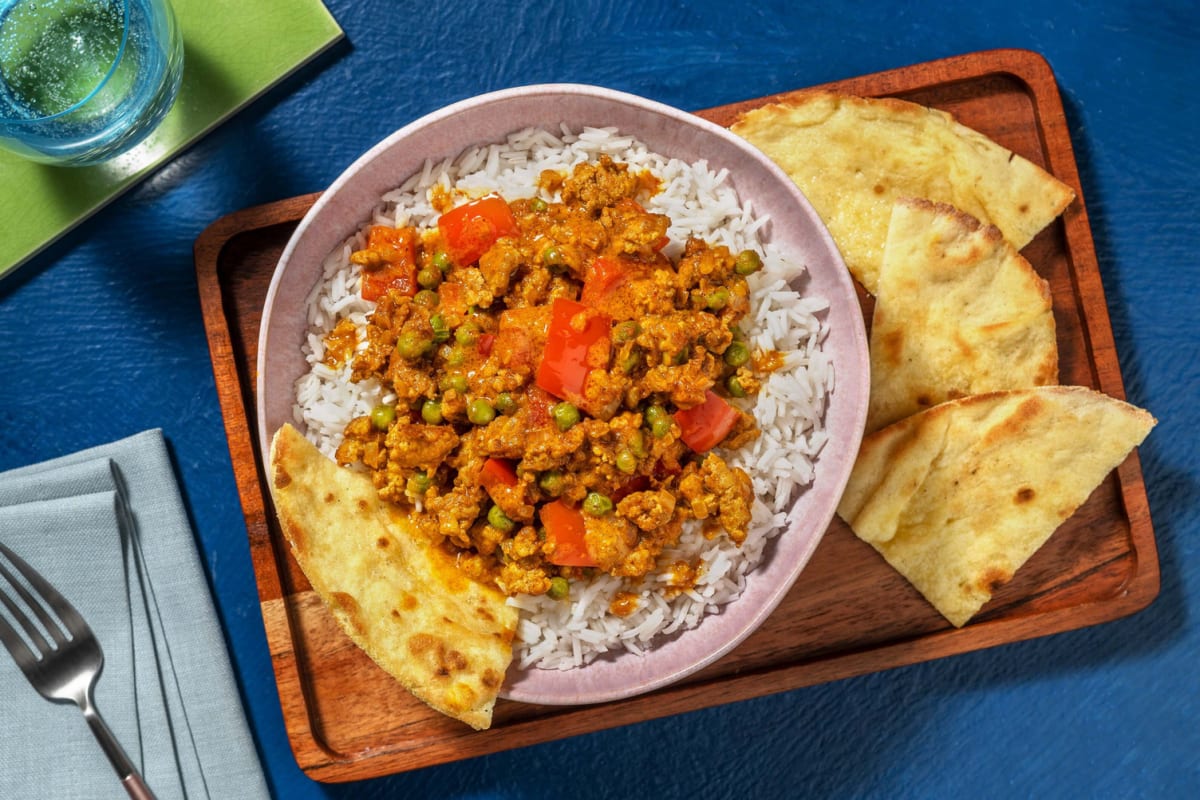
<point x="859" y="376"/>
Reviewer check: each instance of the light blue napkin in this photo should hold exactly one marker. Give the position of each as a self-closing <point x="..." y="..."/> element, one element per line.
<point x="108" y="527"/>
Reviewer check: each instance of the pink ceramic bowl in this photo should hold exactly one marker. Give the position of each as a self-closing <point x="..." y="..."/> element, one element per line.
<point x="794" y="226"/>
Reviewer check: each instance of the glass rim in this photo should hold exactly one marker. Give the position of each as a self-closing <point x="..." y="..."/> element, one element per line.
<point x="112" y="68"/>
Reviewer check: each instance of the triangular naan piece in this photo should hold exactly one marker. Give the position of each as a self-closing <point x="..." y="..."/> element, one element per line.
<point x="445" y="637"/>
<point x="958" y="497"/>
<point x="853" y="156"/>
<point x="958" y="312"/>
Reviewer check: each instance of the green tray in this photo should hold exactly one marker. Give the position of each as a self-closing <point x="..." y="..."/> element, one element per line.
<point x="233" y="53"/>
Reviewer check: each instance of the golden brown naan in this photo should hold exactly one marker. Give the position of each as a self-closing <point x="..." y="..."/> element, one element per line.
<point x="958" y="312"/>
<point x="958" y="497"/>
<point x="445" y="637"/>
<point x="853" y="156"/>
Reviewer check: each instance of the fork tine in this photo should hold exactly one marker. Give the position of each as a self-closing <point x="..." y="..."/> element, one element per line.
<point x="49" y="595"/>
<point x="30" y="629"/>
<point x="15" y="644"/>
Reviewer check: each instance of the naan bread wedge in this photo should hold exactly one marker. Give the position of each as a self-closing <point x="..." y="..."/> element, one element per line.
<point x="958" y="497"/>
<point x="445" y="637"/>
<point x="958" y="312"/>
<point x="853" y="156"/>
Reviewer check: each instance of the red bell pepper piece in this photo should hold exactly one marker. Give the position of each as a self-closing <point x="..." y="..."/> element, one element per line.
<point x="602" y="276"/>
<point x="471" y="229"/>
<point x="705" y="426"/>
<point x="497" y="472"/>
<point x="565" y="529"/>
<point x="397" y="248"/>
<point x="577" y="341"/>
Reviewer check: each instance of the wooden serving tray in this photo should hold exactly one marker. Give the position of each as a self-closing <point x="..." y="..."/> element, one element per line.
<point x="848" y="614"/>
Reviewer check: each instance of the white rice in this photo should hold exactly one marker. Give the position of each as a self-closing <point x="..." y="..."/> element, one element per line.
<point x="790" y="408"/>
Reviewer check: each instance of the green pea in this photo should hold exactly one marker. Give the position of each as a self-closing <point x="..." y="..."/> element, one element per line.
<point x="419" y="483"/>
<point x="456" y="357"/>
<point x="480" y="411"/>
<point x="717" y="299"/>
<point x="566" y="415"/>
<point x="626" y="462"/>
<point x="441" y="332"/>
<point x="737" y="354"/>
<point x="467" y="334"/>
<point x="442" y="261"/>
<point x="734" y="385"/>
<point x="538" y="205"/>
<point x="553" y="257"/>
<point x="597" y="504"/>
<point x="412" y="345"/>
<point x="429" y="277"/>
<point x="455" y="381"/>
<point x="658" y="420"/>
<point x="625" y="331"/>
<point x="559" y="588"/>
<point x="505" y="403"/>
<point x="637" y="443"/>
<point x="551" y="482"/>
<point x="427" y="298"/>
<point x="431" y="412"/>
<point x="499" y="520"/>
<point x="747" y="263"/>
<point x="382" y="416"/>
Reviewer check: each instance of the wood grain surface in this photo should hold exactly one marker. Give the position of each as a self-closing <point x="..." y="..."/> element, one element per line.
<point x="848" y="614"/>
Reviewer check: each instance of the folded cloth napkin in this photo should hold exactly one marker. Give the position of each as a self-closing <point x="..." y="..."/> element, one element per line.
<point x="107" y="527"/>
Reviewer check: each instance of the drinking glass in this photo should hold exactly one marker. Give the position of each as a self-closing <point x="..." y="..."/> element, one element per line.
<point x="82" y="81"/>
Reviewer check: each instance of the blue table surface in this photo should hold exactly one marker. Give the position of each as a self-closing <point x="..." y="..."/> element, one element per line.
<point x="105" y="337"/>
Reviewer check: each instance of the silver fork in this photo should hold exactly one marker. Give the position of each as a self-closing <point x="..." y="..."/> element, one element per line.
<point x="66" y="670"/>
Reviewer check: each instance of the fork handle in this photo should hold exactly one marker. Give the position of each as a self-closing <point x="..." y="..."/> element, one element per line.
<point x="137" y="788"/>
<point x="130" y="778"/>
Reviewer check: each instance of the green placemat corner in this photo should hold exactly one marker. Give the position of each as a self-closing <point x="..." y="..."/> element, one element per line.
<point x="234" y="51"/>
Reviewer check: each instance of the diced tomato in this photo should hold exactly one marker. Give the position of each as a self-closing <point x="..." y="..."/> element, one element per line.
<point x="392" y="244"/>
<point x="704" y="426"/>
<point x="565" y="529"/>
<point x="601" y="277"/>
<point x="486" y="342"/>
<point x="577" y="341"/>
<point x="497" y="472"/>
<point x="451" y="303"/>
<point x="471" y="229"/>
<point x="397" y="248"/>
